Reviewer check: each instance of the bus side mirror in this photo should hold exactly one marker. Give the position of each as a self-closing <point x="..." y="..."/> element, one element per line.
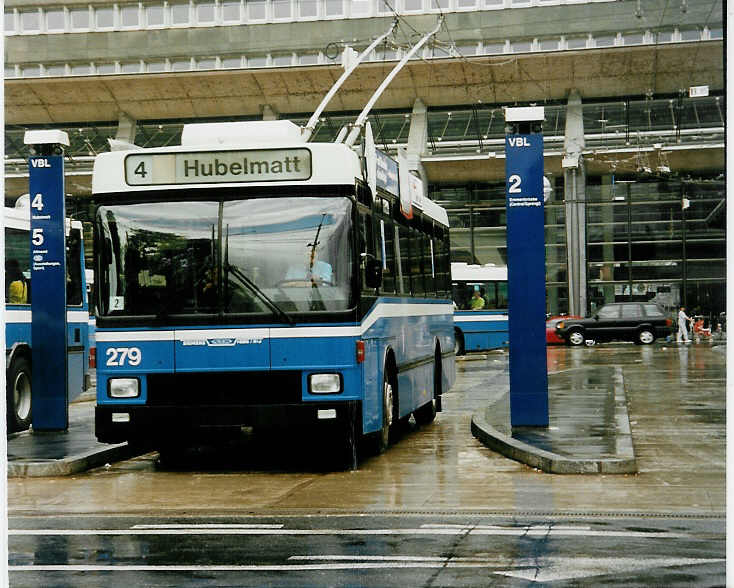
<point x="373" y="272"/>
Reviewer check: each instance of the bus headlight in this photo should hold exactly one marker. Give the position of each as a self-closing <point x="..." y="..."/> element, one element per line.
<point x="124" y="388"/>
<point x="325" y="383"/>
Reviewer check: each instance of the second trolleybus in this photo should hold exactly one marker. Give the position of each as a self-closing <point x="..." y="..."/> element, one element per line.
<point x="249" y="278"/>
<point x="480" y="298"/>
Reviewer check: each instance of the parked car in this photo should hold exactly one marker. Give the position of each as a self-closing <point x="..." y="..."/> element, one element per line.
<point x="551" y="336"/>
<point x="640" y="322"/>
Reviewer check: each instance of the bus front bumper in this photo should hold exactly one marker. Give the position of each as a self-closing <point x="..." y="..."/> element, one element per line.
<point x="140" y="423"/>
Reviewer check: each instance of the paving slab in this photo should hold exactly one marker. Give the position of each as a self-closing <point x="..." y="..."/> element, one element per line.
<point x="62" y="453"/>
<point x="588" y="432"/>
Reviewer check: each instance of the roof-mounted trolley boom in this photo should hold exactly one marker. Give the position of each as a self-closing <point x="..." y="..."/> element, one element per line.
<point x="311" y="124"/>
<point x="359" y="123"/>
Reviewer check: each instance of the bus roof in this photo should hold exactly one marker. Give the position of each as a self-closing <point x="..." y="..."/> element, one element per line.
<point x="253" y="153"/>
<point x="468" y="272"/>
<point x="20" y="218"/>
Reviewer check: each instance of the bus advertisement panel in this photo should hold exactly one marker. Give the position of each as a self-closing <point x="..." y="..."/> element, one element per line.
<point x="288" y="295"/>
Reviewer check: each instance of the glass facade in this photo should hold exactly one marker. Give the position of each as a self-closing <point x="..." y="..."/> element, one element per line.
<point x="644" y="245"/>
<point x="479" y="232"/>
<point x="641" y="243"/>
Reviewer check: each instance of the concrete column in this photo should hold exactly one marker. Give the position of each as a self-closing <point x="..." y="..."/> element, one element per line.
<point x="575" y="199"/>
<point x="607" y="217"/>
<point x="126" y="128"/>
<point x="418" y="139"/>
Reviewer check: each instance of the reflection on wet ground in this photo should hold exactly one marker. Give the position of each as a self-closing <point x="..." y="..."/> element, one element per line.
<point x="676" y="401"/>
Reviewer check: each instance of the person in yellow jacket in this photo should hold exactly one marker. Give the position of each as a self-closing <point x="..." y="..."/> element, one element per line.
<point x="477" y="302"/>
<point x="17" y="286"/>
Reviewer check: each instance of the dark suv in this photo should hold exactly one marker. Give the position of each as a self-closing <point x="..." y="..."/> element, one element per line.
<point x="641" y="322"/>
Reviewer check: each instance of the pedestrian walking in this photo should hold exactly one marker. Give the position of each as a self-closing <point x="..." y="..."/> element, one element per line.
<point x="683" y="318"/>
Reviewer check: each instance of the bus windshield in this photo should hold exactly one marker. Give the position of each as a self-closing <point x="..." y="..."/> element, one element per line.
<point x="260" y="255"/>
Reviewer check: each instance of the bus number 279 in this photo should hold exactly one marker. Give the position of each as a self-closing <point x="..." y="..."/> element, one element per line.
<point x="119" y="356"/>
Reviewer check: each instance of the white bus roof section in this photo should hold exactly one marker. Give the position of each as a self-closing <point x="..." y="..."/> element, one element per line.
<point x="466" y="272"/>
<point x="433" y="210"/>
<point x="331" y="164"/>
<point x="256" y="134"/>
<point x="20" y="218"/>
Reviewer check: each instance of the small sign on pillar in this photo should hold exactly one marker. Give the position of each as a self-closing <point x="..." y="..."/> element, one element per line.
<point x="49" y="394"/>
<point x="526" y="266"/>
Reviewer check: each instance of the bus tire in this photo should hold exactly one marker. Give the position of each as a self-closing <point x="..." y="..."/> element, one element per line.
<point x="386" y="433"/>
<point x="459" y="342"/>
<point x="19" y="401"/>
<point x="426" y="414"/>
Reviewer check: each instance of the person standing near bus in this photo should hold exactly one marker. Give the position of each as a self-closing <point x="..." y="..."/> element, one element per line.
<point x="683" y="318"/>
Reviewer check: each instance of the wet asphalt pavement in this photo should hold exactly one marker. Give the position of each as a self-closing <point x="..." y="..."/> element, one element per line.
<point x="436" y="475"/>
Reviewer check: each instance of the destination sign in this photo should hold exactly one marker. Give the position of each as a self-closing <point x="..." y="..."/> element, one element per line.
<point x="210" y="167"/>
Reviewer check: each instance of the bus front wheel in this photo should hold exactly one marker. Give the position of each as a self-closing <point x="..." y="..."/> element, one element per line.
<point x="19" y="395"/>
<point x="385" y="433"/>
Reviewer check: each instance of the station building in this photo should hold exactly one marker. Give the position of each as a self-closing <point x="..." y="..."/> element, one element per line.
<point x="633" y="92"/>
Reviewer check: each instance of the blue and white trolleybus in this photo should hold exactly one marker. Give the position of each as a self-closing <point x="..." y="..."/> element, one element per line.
<point x="480" y="315"/>
<point x="250" y="278"/>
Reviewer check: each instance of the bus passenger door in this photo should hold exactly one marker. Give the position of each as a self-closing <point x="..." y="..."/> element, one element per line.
<point x="77" y="341"/>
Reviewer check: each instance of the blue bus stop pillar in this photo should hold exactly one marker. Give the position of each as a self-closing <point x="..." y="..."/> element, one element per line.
<point x="526" y="266"/>
<point x="49" y="394"/>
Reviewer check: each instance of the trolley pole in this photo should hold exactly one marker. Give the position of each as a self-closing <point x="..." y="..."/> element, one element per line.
<point x="48" y="280"/>
<point x="526" y="266"/>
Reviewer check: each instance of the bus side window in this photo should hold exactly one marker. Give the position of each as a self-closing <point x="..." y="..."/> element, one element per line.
<point x="403" y="253"/>
<point x="387" y="237"/>
<point x="416" y="262"/>
<point x="73" y="269"/>
<point x="501" y="294"/>
<point x="17" y="267"/>
<point x="366" y="242"/>
<point x="429" y="263"/>
<point x="443" y="266"/>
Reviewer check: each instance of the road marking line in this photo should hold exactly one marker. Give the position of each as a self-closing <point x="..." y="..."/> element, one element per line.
<point x="248" y="568"/>
<point x="225" y="531"/>
<point x="208" y="526"/>
<point x="219" y="530"/>
<point x="545" y="570"/>
<point x="415" y="558"/>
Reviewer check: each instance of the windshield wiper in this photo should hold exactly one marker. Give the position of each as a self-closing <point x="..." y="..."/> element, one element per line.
<point x="276" y="310"/>
<point x="259" y="293"/>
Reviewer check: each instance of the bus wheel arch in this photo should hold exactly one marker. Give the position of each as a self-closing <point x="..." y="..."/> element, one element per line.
<point x="19" y="391"/>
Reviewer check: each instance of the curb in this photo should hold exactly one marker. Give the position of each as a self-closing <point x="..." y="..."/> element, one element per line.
<point x="546" y="460"/>
<point x="69" y="465"/>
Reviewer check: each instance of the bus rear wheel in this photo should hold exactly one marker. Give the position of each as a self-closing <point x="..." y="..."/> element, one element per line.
<point x="19" y="395"/>
<point x="427" y="413"/>
<point x="458" y="343"/>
